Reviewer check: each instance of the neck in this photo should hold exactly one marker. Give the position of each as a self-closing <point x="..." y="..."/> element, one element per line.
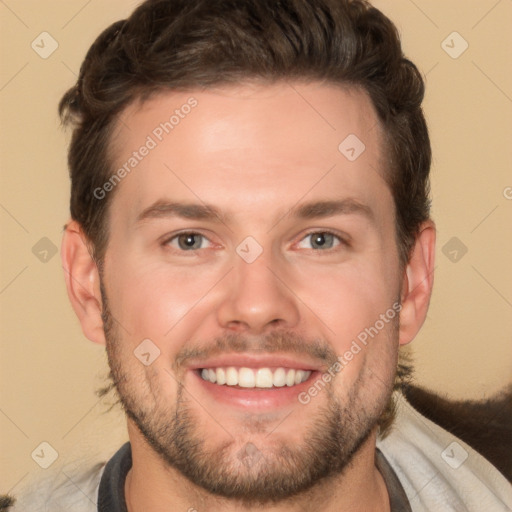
<point x="152" y="486"/>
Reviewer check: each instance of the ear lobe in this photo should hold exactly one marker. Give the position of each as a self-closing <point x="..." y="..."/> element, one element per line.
<point x="417" y="283"/>
<point x="82" y="282"/>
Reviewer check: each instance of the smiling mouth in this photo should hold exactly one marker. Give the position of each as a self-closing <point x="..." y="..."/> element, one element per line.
<point x="262" y="378"/>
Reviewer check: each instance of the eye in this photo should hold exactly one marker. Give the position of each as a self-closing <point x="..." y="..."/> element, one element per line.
<point x="322" y="240"/>
<point x="187" y="241"/>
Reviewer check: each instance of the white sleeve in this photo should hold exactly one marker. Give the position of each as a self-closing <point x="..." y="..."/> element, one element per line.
<point x="440" y="472"/>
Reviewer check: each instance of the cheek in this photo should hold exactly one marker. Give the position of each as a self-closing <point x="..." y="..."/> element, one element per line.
<point x="357" y="312"/>
<point x="347" y="300"/>
<point x="157" y="301"/>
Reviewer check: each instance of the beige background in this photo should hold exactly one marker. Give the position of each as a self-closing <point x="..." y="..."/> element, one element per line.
<point x="49" y="371"/>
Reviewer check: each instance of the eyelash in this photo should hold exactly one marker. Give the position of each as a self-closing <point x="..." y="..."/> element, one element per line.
<point x="342" y="241"/>
<point x="167" y="241"/>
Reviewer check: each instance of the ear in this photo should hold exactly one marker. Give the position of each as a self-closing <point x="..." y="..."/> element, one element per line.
<point x="417" y="283"/>
<point x="82" y="282"/>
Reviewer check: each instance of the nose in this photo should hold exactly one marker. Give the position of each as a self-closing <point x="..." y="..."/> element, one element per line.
<point x="258" y="297"/>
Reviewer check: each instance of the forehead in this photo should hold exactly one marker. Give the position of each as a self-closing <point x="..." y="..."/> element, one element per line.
<point x="248" y="146"/>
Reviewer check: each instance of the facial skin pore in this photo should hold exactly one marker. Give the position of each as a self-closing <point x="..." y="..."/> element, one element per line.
<point x="259" y="161"/>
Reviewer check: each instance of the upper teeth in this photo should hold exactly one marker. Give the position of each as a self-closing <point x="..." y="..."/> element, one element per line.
<point x="255" y="378"/>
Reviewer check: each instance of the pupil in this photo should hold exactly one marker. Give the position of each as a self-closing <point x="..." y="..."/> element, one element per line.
<point x="188" y="241"/>
<point x="319" y="239"/>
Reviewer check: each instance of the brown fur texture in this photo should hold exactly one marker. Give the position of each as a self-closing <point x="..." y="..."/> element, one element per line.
<point x="5" y="503"/>
<point x="486" y="425"/>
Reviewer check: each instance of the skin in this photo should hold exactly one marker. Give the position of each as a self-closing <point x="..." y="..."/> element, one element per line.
<point x="255" y="152"/>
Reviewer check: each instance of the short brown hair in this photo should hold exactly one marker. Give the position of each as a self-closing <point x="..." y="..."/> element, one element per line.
<point x="185" y="44"/>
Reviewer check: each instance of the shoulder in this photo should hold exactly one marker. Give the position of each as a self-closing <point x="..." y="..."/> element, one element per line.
<point x="485" y="424"/>
<point x="439" y="469"/>
<point x="65" y="490"/>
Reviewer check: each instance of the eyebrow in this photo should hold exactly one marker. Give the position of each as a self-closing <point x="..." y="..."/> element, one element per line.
<point x="320" y="209"/>
<point x="312" y="210"/>
<point x="163" y="208"/>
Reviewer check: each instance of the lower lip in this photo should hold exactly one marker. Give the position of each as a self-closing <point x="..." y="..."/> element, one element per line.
<point x="256" y="398"/>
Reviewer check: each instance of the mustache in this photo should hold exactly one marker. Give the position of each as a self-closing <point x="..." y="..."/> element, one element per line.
<point x="283" y="342"/>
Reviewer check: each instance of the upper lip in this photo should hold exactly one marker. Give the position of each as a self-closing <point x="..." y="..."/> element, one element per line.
<point x="257" y="361"/>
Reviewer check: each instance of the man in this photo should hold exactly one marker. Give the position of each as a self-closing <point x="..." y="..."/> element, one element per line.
<point x="250" y="238"/>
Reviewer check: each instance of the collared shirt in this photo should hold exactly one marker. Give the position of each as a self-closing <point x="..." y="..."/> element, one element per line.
<point x="111" y="490"/>
<point x="425" y="468"/>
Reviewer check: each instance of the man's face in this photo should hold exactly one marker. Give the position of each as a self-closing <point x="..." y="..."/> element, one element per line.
<point x="250" y="249"/>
